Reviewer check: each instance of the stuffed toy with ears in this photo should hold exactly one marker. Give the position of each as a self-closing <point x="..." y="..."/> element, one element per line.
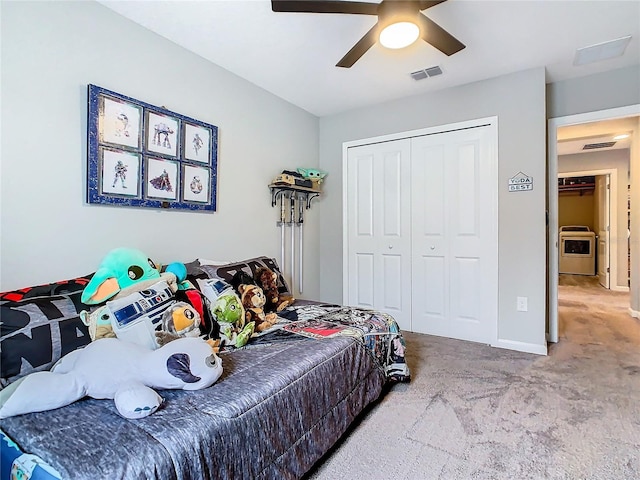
<point x="316" y="176"/>
<point x="267" y="280"/>
<point x="253" y="300"/>
<point x="121" y="268"/>
<point x="113" y="368"/>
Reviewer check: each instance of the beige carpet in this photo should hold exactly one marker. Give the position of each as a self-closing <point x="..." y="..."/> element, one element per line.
<point x="476" y="412"/>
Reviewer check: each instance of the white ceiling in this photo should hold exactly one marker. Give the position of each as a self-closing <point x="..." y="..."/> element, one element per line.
<point x="573" y="138"/>
<point x="293" y="55"/>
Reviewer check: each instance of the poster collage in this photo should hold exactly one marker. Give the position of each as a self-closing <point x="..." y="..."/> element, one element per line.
<point x="145" y="156"/>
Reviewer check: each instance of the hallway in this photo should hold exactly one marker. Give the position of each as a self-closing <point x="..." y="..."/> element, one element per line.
<point x="592" y="315"/>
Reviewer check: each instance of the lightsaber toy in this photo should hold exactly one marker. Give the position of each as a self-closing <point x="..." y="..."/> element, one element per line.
<point x="300" y="234"/>
<point x="292" y="208"/>
<point x="283" y="219"/>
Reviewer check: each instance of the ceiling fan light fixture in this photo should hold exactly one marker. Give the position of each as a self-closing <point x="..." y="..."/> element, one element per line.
<point x="399" y="35"/>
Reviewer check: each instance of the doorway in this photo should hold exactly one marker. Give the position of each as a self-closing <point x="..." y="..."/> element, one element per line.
<point x="553" y="223"/>
<point x="587" y="214"/>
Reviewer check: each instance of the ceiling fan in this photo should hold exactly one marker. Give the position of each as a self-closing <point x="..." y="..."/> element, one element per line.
<point x="391" y="14"/>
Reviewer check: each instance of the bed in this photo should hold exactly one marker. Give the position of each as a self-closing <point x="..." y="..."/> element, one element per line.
<point x="280" y="405"/>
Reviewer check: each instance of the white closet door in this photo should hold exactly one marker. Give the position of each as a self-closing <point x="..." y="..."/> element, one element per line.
<point x="378" y="228"/>
<point x="454" y="235"/>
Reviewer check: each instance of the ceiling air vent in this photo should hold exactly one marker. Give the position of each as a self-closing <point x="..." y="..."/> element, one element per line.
<point x="592" y="146"/>
<point x="427" y="72"/>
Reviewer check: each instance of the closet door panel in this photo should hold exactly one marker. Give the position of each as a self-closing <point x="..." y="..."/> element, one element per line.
<point x="364" y="279"/>
<point x="378" y="226"/>
<point x="457" y="167"/>
<point x="392" y="276"/>
<point x="429" y="248"/>
<point x="466" y="285"/>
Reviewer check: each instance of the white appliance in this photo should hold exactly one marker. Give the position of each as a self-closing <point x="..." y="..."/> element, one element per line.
<point x="577" y="250"/>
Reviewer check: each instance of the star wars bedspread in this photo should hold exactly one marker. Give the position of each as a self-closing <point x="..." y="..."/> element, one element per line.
<point x="378" y="331"/>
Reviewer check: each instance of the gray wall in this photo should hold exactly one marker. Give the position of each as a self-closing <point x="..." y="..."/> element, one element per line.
<point x="617" y="160"/>
<point x="616" y="88"/>
<point x="50" y="52"/>
<point x="519" y="102"/>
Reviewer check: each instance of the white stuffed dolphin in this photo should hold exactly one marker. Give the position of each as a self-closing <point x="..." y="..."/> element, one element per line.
<point x="116" y="369"/>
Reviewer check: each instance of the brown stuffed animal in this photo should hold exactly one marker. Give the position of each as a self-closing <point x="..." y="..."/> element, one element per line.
<point x="253" y="301"/>
<point x="267" y="280"/>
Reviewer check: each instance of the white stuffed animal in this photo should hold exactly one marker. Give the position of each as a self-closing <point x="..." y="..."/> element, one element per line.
<point x="116" y="369"/>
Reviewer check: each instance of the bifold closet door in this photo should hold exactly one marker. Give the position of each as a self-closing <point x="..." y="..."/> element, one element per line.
<point x="454" y="251"/>
<point x="378" y="228"/>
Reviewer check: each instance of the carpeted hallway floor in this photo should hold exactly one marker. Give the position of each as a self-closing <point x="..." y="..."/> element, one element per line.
<point x="476" y="412"/>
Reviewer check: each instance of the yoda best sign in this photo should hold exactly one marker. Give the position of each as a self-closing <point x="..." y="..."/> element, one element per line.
<point x="520" y="182"/>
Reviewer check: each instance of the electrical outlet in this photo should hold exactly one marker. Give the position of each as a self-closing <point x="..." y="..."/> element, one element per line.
<point x="521" y="304"/>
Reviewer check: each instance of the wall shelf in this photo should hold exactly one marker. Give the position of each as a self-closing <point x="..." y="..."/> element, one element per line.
<point x="583" y="189"/>
<point x="279" y="189"/>
<point x="576" y="185"/>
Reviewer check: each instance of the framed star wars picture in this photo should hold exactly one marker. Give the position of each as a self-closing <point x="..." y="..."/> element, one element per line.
<point x="196" y="140"/>
<point x="145" y="156"/>
<point x="162" y="179"/>
<point x="119" y="172"/>
<point x="195" y="180"/>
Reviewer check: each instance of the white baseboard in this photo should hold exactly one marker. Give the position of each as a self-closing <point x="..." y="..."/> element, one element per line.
<point x="521" y="346"/>
<point x="634" y="313"/>
<point x="618" y="288"/>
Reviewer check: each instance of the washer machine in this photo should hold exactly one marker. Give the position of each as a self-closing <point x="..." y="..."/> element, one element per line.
<point x="577" y="250"/>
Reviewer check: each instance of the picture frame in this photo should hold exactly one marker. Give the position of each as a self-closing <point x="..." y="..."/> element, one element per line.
<point x="195" y="183"/>
<point x="119" y="123"/>
<point x="161" y="180"/>
<point x="195" y="143"/>
<point x="119" y="172"/>
<point x="144" y="156"/>
<point x="161" y="134"/>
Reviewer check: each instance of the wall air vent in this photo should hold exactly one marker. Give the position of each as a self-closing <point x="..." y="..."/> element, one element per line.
<point x="427" y="72"/>
<point x="592" y="146"/>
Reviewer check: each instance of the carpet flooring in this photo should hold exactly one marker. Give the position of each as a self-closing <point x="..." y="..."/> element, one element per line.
<point x="476" y="412"/>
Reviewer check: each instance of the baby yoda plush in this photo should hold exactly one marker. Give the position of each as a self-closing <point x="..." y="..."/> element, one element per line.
<point x="113" y="368"/>
<point x="121" y="268"/>
<point x="316" y="176"/>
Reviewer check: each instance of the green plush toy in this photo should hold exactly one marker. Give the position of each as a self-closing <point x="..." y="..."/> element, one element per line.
<point x="121" y="268"/>
<point x="230" y="315"/>
<point x="312" y="174"/>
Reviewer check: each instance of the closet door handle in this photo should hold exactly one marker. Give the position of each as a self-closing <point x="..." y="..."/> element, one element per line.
<point x="433" y="247"/>
<point x="390" y="247"/>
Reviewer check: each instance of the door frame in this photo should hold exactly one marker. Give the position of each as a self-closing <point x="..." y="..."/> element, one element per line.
<point x="491" y="122"/>
<point x="552" y="198"/>
<point x="613" y="212"/>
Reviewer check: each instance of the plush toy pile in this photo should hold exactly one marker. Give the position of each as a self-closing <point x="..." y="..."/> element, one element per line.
<point x="149" y="330"/>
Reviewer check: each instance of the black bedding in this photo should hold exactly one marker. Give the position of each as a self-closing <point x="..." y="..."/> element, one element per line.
<point x="277" y="408"/>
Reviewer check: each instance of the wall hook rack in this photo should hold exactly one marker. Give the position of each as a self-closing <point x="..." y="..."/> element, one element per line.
<point x="308" y="193"/>
<point x="292" y="196"/>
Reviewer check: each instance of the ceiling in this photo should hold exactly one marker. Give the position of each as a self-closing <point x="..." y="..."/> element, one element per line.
<point x="293" y="55"/>
<point x="573" y="138"/>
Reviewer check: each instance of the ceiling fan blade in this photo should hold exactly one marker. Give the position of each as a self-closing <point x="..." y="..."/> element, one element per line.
<point x="360" y="48"/>
<point x="435" y="35"/>
<point x="424" y="4"/>
<point x="324" y="6"/>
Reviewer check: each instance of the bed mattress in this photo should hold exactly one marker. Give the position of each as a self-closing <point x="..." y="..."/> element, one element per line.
<point x="276" y="410"/>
